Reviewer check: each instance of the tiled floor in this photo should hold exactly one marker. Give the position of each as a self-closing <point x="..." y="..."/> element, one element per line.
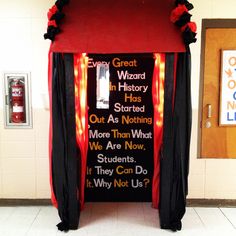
<point x="116" y="219"/>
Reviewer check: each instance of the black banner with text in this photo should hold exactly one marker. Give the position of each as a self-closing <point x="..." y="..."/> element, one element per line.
<point x="120" y="151"/>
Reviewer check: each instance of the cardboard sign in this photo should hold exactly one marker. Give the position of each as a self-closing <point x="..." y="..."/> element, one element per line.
<point x="228" y="88"/>
<point x="120" y="152"/>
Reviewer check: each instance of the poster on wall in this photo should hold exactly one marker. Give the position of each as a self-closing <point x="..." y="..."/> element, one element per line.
<point x="120" y="151"/>
<point x="228" y="88"/>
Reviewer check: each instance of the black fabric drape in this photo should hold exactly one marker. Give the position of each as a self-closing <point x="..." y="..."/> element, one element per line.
<point x="166" y="163"/>
<point x="174" y="159"/>
<point x="64" y="151"/>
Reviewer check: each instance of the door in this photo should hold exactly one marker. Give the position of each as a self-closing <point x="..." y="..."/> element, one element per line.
<point x="217" y="141"/>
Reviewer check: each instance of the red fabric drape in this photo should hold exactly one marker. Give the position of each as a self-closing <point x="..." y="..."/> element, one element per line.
<point x="50" y="74"/>
<point x="174" y="88"/>
<point x="81" y="109"/>
<point x="158" y="105"/>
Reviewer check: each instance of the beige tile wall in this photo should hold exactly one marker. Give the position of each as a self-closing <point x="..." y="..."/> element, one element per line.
<point x="24" y="160"/>
<point x="1" y="127"/>
<point x="41" y="153"/>
<point x="24" y="153"/>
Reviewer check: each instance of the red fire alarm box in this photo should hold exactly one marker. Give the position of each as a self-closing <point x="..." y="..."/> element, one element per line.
<point x="17" y="100"/>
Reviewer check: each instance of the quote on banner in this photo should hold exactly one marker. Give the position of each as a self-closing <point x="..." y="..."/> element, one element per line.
<point x="120" y="151"/>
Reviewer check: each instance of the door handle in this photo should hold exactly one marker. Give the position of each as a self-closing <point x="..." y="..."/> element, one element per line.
<point x="209" y="111"/>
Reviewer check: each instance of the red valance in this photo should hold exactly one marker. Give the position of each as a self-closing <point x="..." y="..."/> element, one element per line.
<point x="123" y="26"/>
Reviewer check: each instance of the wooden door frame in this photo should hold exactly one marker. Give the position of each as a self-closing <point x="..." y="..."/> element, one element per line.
<point x="207" y="24"/>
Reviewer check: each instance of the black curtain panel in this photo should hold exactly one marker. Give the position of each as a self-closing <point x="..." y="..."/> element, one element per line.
<point x="174" y="158"/>
<point x="65" y="156"/>
<point x="166" y="163"/>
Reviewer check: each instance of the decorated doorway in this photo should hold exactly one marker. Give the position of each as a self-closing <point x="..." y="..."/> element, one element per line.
<point x="137" y="119"/>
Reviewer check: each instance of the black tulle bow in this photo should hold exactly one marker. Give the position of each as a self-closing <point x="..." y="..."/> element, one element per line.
<point x="184" y="2"/>
<point x="61" y="3"/>
<point x="63" y="226"/>
<point x="53" y="30"/>
<point x="182" y="19"/>
<point x="189" y="36"/>
<point x="58" y="16"/>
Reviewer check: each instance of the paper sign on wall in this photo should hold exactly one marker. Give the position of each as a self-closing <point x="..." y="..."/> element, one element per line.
<point x="228" y="88"/>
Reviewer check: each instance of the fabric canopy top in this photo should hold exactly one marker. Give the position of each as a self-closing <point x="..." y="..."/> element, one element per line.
<point x="124" y="26"/>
